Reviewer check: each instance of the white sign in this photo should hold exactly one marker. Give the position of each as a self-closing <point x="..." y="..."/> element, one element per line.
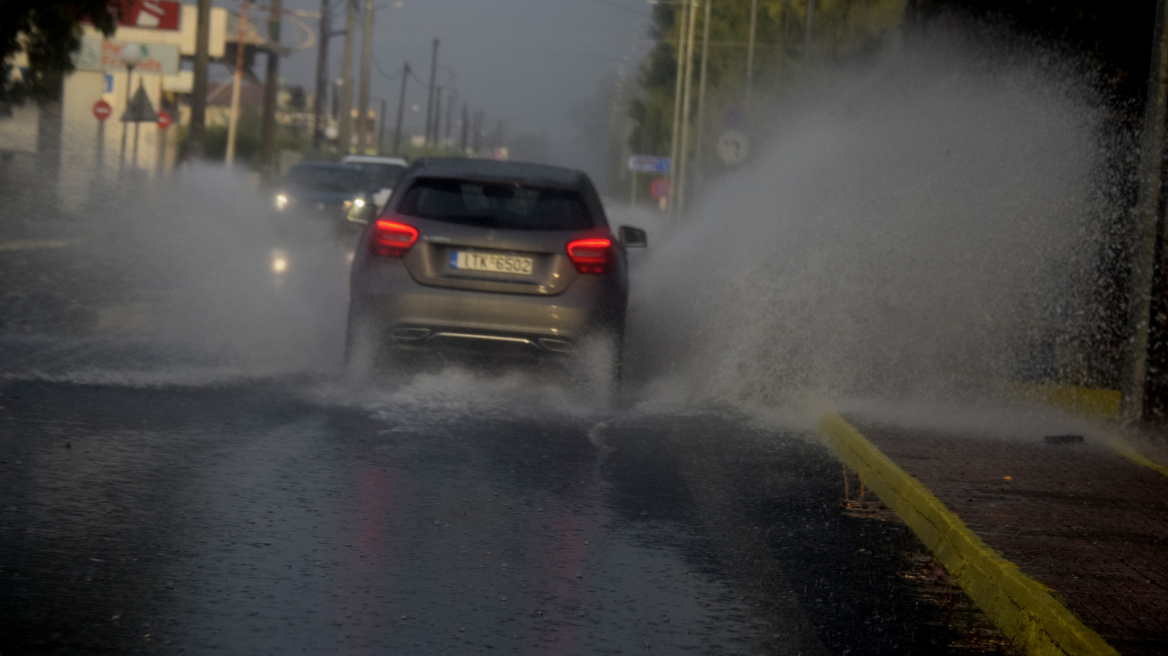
<point x="648" y="164"/>
<point x="100" y="55"/>
<point x="733" y="147"/>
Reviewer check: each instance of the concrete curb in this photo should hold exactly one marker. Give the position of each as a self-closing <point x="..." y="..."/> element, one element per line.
<point x="1023" y="609"/>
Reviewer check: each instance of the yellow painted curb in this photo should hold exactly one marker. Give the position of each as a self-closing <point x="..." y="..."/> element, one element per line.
<point x="1129" y="452"/>
<point x="1089" y="403"/>
<point x="1023" y="609"/>
<point x="1083" y="401"/>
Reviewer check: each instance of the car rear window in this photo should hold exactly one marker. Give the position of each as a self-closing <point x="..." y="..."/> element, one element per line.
<point x="383" y="174"/>
<point x="328" y="178"/>
<point x="496" y="205"/>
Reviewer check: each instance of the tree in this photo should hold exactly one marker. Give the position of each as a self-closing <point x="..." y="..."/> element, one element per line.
<point x="48" y="33"/>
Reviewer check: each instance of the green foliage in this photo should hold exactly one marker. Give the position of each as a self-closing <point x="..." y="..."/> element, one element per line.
<point x="840" y="29"/>
<point x="48" y="32"/>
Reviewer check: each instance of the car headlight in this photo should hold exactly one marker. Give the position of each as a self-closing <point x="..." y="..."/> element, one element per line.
<point x="281" y="201"/>
<point x="358" y="203"/>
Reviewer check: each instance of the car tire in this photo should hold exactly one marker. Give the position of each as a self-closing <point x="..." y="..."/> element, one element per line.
<point x="363" y="350"/>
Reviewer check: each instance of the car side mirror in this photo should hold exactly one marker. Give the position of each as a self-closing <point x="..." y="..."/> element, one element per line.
<point x="632" y="237"/>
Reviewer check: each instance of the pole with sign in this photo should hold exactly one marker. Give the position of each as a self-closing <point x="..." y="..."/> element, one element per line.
<point x="131" y="56"/>
<point x="164" y="122"/>
<point x="646" y="164"/>
<point x="101" y="111"/>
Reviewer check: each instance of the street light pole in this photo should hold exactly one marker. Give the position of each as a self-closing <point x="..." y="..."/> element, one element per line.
<point x="137" y="126"/>
<point x="322" y="81"/>
<point x="345" y="106"/>
<point x="683" y="152"/>
<point x="701" y="125"/>
<point x="198" y="128"/>
<point x="237" y="83"/>
<point x="438" y="115"/>
<point x="401" y="108"/>
<point x="807" y="30"/>
<point x="430" y="92"/>
<point x="685" y="9"/>
<point x="271" y="93"/>
<point x="381" y="127"/>
<point x="130" y="58"/>
<point x="363" y="127"/>
<point x="750" y="53"/>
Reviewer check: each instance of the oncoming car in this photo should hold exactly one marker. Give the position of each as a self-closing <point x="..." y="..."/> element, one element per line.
<point x="383" y="173"/>
<point x="323" y="189"/>
<point x="487" y="256"/>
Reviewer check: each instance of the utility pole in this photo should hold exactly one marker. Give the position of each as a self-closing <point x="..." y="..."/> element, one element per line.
<point x="345" y="107"/>
<point x="450" y="113"/>
<point x="477" y="136"/>
<point x="462" y="143"/>
<point x="701" y="125"/>
<point x="237" y="84"/>
<point x="363" y="125"/>
<point x="199" y="88"/>
<point x="271" y="93"/>
<point x="683" y="152"/>
<point x="322" y="76"/>
<point x="401" y="108"/>
<point x="1147" y="216"/>
<point x="750" y="53"/>
<point x="685" y="8"/>
<point x="381" y="128"/>
<point x="438" y="116"/>
<point x="807" y="31"/>
<point x="430" y="93"/>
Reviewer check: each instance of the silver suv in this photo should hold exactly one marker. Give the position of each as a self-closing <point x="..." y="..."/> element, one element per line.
<point x="489" y="256"/>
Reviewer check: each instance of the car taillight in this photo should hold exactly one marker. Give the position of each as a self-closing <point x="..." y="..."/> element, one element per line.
<point x="590" y="255"/>
<point x="391" y="238"/>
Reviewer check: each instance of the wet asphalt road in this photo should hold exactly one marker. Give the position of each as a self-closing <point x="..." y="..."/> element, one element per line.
<point x="257" y="520"/>
<point x="164" y="489"/>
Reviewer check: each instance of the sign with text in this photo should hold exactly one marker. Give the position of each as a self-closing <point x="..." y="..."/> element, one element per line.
<point x="149" y="14"/>
<point x="648" y="164"/>
<point x="99" y="55"/>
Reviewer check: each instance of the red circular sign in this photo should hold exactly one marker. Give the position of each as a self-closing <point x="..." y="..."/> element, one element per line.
<point x="660" y="188"/>
<point x="163" y="119"/>
<point x="102" y="110"/>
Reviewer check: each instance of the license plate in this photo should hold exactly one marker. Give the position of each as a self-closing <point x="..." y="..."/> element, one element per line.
<point x="491" y="262"/>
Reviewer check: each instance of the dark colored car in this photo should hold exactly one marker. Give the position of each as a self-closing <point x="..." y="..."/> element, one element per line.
<point x="486" y="255"/>
<point x="324" y="188"/>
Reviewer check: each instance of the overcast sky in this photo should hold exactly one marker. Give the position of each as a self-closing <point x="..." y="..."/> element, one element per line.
<point x="528" y="61"/>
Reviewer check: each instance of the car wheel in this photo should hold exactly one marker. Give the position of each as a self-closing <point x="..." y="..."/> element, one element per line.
<point x="363" y="348"/>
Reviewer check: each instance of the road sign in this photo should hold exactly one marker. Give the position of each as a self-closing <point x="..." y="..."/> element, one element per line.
<point x="163" y="119"/>
<point x="140" y="110"/>
<point x="660" y="188"/>
<point x="733" y="147"/>
<point x="102" y="110"/>
<point x="733" y="116"/>
<point x="648" y="164"/>
<point x="101" y="55"/>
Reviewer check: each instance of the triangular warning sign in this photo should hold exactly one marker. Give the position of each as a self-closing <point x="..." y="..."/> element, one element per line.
<point x="140" y="110"/>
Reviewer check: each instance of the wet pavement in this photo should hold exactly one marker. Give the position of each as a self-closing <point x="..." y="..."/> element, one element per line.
<point x="271" y="518"/>
<point x="184" y="469"/>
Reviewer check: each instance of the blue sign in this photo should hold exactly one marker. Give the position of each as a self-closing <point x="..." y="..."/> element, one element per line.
<point x="108" y="86"/>
<point x="649" y="164"/>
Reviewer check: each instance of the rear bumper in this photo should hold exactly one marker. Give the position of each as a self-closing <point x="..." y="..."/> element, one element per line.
<point x="410" y="315"/>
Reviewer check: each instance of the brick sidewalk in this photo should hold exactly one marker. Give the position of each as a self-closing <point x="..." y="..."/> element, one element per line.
<point x="1080" y="519"/>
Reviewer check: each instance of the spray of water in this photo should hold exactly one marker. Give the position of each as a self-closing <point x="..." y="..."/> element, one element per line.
<point x="921" y="228"/>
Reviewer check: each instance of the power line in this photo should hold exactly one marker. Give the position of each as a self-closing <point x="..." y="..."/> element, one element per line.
<point x="381" y="71"/>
